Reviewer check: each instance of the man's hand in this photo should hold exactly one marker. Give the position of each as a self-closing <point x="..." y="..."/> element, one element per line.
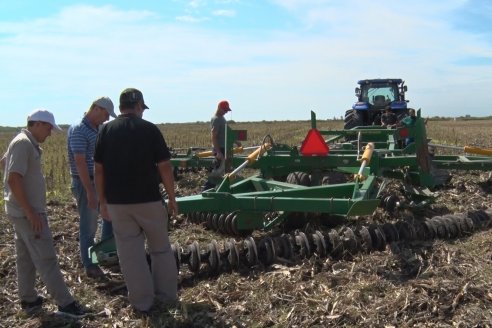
<point x="172" y="207"/>
<point x="103" y="211"/>
<point x="92" y="200"/>
<point x="84" y="176"/>
<point x="219" y="155"/>
<point x="15" y="182"/>
<point x="36" y="222"/>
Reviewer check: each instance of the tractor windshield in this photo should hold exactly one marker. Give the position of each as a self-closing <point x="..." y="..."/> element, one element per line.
<point x="380" y="94"/>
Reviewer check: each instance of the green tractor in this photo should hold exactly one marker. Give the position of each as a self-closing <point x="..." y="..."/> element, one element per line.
<point x="373" y="96"/>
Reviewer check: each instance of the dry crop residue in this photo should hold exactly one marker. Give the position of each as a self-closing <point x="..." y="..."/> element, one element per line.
<point x="439" y="283"/>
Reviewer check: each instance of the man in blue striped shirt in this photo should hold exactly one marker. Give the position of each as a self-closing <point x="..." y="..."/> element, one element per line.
<point x="81" y="143"/>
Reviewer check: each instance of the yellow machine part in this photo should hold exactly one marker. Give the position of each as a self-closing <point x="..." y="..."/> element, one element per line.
<point x="477" y="151"/>
<point x="258" y="152"/>
<point x="366" y="156"/>
<point x="209" y="153"/>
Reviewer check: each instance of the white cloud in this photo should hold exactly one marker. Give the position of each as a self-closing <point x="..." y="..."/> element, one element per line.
<point x="294" y="5"/>
<point x="197" y="3"/>
<point x="64" y="61"/>
<point x="224" y="13"/>
<point x="190" y="19"/>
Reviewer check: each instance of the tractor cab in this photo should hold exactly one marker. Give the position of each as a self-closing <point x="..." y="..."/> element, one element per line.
<point x="377" y="95"/>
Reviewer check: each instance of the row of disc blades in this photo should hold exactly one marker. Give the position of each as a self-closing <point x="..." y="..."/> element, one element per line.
<point x="334" y="243"/>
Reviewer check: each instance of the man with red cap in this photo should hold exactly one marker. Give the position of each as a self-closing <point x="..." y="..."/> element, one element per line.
<point x="218" y="124"/>
<point x="217" y="136"/>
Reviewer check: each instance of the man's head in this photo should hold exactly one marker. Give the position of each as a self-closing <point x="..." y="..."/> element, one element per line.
<point x="131" y="99"/>
<point x="100" y="111"/>
<point x="40" y="123"/>
<point x="411" y="112"/>
<point x="223" y="107"/>
<point x="387" y="109"/>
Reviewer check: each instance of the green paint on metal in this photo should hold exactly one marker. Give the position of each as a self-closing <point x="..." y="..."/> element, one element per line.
<point x="363" y="207"/>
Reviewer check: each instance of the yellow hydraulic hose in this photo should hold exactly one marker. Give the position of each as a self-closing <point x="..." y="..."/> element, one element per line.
<point x="365" y="159"/>
<point x="366" y="156"/>
<point x="209" y="153"/>
<point x="250" y="159"/>
<point x="466" y="149"/>
<point x="258" y="152"/>
<point x="477" y="151"/>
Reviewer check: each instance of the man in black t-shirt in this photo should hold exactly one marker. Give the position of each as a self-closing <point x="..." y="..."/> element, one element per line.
<point x="130" y="157"/>
<point x="389" y="119"/>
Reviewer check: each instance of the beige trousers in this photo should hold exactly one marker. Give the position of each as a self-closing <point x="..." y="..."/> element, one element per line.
<point x="132" y="225"/>
<point x="36" y="252"/>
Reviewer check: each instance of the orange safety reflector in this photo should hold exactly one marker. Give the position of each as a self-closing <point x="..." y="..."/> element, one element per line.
<point x="404" y="133"/>
<point x="314" y="144"/>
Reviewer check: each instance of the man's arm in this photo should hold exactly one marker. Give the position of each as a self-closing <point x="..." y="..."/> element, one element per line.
<point x="14" y="181"/>
<point x="214" y="134"/>
<point x="99" y="181"/>
<point x="84" y="176"/>
<point x="2" y="161"/>
<point x="384" y="121"/>
<point x="167" y="178"/>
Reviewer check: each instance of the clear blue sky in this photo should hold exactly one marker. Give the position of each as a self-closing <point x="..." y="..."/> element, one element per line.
<point x="273" y="60"/>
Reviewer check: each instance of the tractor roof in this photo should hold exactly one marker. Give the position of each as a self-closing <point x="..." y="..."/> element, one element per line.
<point x="368" y="81"/>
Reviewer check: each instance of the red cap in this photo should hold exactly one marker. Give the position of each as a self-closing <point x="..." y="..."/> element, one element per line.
<point x="224" y="104"/>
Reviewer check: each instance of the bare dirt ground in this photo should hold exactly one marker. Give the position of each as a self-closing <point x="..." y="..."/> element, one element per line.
<point x="438" y="283"/>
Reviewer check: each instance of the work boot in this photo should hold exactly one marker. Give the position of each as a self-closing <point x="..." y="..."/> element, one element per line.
<point x="94" y="271"/>
<point x="34" y="306"/>
<point x="73" y="310"/>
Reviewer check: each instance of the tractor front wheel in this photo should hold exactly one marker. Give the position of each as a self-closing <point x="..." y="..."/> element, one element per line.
<point x="352" y="119"/>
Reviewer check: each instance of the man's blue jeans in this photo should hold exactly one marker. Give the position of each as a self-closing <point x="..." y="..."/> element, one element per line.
<point x="88" y="222"/>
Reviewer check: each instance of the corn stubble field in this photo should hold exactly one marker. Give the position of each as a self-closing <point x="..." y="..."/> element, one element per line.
<point x="439" y="283"/>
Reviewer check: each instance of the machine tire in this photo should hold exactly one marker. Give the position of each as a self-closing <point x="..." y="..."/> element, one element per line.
<point x="333" y="177"/>
<point x="299" y="178"/>
<point x="352" y="119"/>
<point x="348" y="115"/>
<point x="296" y="220"/>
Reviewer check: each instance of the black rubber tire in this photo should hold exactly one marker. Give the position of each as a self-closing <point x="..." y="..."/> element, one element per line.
<point x="352" y="119"/>
<point x="299" y="178"/>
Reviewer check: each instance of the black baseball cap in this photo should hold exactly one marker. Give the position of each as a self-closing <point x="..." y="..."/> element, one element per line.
<point x="132" y="95"/>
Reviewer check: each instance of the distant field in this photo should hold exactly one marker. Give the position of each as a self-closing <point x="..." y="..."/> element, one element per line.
<point x="183" y="135"/>
<point x="442" y="282"/>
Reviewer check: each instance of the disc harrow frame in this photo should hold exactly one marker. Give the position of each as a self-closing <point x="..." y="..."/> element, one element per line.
<point x="344" y="175"/>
